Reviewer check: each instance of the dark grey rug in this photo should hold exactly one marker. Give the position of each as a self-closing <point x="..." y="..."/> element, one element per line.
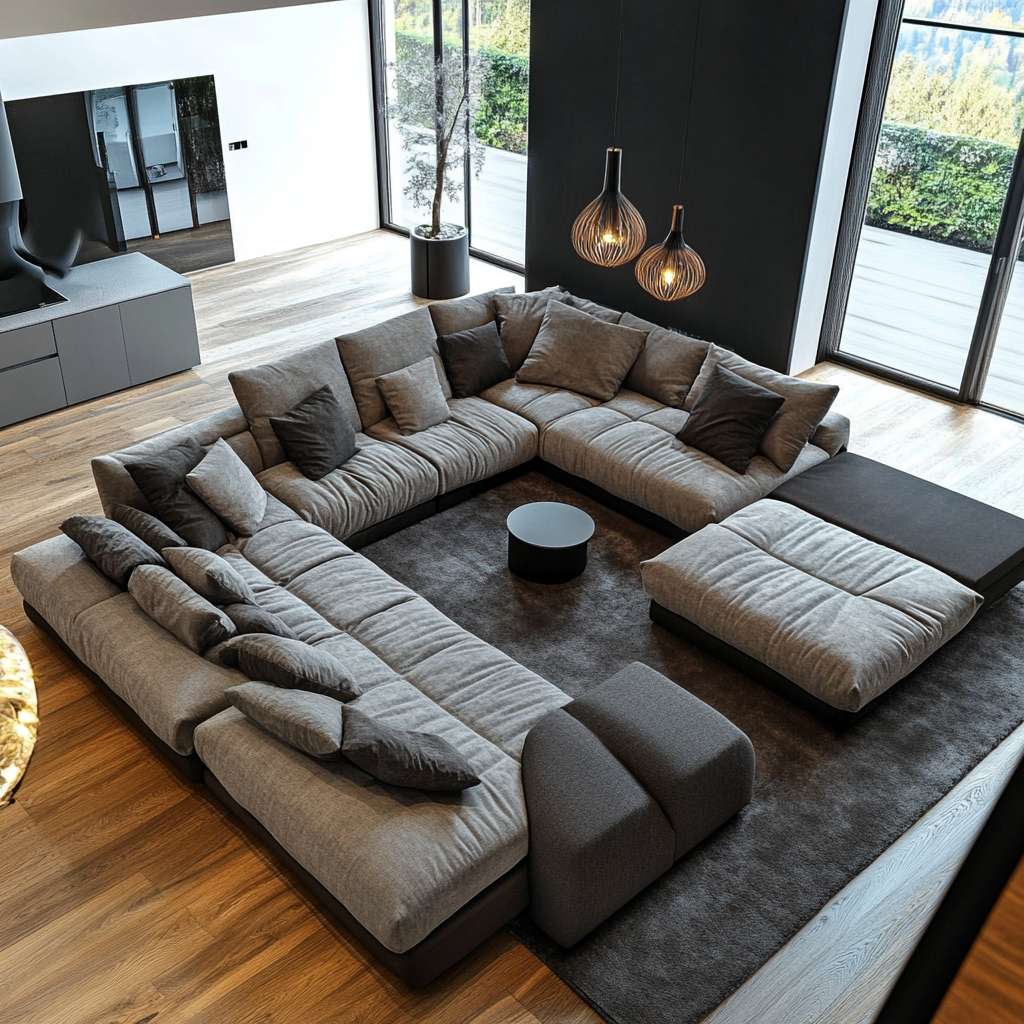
<point x="827" y="802"/>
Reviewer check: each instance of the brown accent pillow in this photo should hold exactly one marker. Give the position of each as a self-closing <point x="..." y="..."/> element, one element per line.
<point x="576" y="351"/>
<point x="414" y="396"/>
<point x="805" y="406"/>
<point x="519" y="319"/>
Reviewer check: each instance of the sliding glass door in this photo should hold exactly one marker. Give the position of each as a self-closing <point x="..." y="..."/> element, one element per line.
<point x="932" y="296"/>
<point x="490" y="38"/>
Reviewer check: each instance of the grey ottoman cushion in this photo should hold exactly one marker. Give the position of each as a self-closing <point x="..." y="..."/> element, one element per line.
<point x="619" y="784"/>
<point x="840" y="616"/>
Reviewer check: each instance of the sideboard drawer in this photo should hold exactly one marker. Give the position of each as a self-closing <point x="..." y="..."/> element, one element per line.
<point x="26" y="344"/>
<point x="31" y="390"/>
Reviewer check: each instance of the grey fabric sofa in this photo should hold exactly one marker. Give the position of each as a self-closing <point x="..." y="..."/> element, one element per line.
<point x="421" y="880"/>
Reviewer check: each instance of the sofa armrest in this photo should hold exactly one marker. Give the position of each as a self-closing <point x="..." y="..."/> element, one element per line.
<point x="833" y="433"/>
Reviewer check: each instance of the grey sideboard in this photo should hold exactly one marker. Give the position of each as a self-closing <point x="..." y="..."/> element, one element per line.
<point x="126" y="320"/>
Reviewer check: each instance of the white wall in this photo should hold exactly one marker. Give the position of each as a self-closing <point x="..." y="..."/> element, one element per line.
<point x="847" y="88"/>
<point x="294" y="82"/>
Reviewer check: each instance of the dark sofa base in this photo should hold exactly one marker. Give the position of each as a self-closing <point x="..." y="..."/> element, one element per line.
<point x="752" y="667"/>
<point x="476" y="922"/>
<point x="188" y="766"/>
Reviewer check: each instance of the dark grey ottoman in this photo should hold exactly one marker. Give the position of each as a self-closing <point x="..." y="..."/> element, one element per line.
<point x="619" y="785"/>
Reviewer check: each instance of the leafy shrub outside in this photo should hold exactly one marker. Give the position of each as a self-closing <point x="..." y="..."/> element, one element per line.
<point x="947" y="188"/>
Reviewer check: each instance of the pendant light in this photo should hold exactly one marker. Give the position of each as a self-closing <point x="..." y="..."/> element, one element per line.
<point x="673" y="270"/>
<point x="609" y="230"/>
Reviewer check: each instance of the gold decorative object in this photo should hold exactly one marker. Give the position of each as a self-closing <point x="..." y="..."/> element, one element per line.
<point x="19" y="717"/>
<point x="672" y="270"/>
<point x="609" y="230"/>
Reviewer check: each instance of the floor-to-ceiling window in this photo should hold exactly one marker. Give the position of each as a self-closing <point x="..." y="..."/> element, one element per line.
<point x="932" y="294"/>
<point x="490" y="40"/>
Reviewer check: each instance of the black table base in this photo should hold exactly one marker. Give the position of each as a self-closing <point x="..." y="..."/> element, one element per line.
<point x="546" y="565"/>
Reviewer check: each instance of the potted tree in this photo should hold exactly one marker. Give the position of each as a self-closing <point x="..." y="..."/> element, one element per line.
<point x="436" y="92"/>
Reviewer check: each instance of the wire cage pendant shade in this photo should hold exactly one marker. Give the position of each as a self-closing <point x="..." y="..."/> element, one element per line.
<point x="609" y="230"/>
<point x="672" y="270"/>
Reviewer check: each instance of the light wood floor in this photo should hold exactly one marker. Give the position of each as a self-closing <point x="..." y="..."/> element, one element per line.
<point x="128" y="897"/>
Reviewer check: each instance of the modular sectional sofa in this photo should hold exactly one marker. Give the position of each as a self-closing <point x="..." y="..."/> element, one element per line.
<point x="421" y="879"/>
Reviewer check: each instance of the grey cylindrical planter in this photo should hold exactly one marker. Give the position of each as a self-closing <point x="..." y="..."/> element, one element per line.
<point x="440" y="266"/>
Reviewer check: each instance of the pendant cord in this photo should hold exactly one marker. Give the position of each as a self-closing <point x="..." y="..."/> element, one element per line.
<point x="618" y="76"/>
<point x="689" y="102"/>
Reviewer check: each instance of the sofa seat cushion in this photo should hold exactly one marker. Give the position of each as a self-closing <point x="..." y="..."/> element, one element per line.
<point x="648" y="466"/>
<point x="381" y="480"/>
<point x="541" y="404"/>
<point x="840" y="616"/>
<point x="476" y="442"/>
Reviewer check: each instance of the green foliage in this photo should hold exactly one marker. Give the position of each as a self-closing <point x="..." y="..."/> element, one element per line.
<point x="949" y="188"/>
<point x="501" y="104"/>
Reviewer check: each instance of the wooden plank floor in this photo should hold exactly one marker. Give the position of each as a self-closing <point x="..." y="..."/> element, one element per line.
<point x="129" y="897"/>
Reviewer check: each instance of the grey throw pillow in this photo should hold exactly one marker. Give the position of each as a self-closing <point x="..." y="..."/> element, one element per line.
<point x="147" y="528"/>
<point x="414" y="396"/>
<point x="209" y="575"/>
<point x="250" y="618"/>
<point x="315" y="435"/>
<point x="308" y="722"/>
<point x="161" y="478"/>
<point x="805" y="406"/>
<point x="474" y="359"/>
<point x="668" y="365"/>
<point x="455" y="315"/>
<point x="401" y="757"/>
<point x="730" y="418"/>
<point x="594" y="309"/>
<point x="226" y="484"/>
<point x="294" y="665"/>
<point x="519" y="319"/>
<point x="112" y="548"/>
<point x="173" y="604"/>
<point x="576" y="351"/>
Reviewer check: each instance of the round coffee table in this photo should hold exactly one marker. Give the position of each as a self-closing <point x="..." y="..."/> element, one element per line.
<point x="547" y="541"/>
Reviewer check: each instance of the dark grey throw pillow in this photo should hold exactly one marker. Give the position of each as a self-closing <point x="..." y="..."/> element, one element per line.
<point x="308" y="722"/>
<point x="730" y="418"/>
<point x="147" y="528"/>
<point x="209" y="575"/>
<point x="316" y="434"/>
<point x="401" y="757"/>
<point x="474" y="359"/>
<point x="112" y="548"/>
<point x="161" y="478"/>
<point x="250" y="618"/>
<point x="294" y="665"/>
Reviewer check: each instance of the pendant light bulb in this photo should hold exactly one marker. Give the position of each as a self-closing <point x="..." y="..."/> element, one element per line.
<point x="609" y="230"/>
<point x="672" y="270"/>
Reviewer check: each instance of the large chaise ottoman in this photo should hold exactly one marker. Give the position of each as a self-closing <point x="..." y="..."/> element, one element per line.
<point x="619" y="785"/>
<point x="801" y="602"/>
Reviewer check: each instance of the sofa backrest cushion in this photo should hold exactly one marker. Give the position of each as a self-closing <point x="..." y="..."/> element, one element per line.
<point x="576" y="351"/>
<point x="384" y="348"/>
<point x="273" y="388"/>
<point x="595" y="309"/>
<point x="454" y="315"/>
<point x="805" y="406"/>
<point x="667" y="367"/>
<point x="519" y="320"/>
<point x="115" y="485"/>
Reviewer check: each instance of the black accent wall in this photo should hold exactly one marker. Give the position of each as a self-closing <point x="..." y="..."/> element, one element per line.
<point x="762" y="84"/>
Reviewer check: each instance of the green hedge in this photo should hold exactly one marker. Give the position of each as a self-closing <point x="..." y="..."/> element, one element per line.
<point x="949" y="188"/>
<point x="500" y="117"/>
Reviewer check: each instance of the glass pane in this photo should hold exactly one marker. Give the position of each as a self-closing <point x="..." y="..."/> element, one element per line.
<point x="411" y="108"/>
<point x="990" y="13"/>
<point x="1004" y="385"/>
<point x="949" y="134"/>
<point x="499" y="39"/>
